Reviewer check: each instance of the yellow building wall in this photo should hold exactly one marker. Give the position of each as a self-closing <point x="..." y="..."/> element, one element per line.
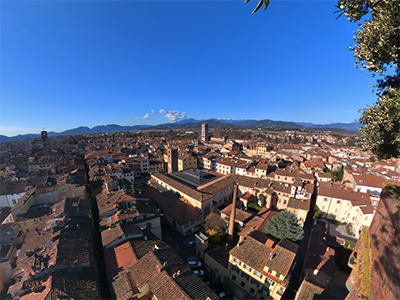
<point x="211" y="265"/>
<point x="28" y="225"/>
<point x="188" y="162"/>
<point x="248" y="286"/>
<point x="62" y="192"/>
<point x="300" y="213"/>
<point x="274" y="290"/>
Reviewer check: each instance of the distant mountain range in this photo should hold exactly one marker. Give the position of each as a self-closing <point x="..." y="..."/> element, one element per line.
<point x="192" y="124"/>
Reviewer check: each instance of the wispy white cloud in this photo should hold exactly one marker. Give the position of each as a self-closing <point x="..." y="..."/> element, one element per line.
<point x="173" y="115"/>
<point x="152" y="111"/>
<point x="146" y="116"/>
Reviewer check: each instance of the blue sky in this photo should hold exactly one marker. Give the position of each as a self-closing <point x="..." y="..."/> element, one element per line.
<point x="66" y="64"/>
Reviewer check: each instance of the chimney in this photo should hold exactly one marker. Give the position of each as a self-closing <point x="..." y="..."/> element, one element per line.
<point x="233" y="214"/>
<point x="269" y="243"/>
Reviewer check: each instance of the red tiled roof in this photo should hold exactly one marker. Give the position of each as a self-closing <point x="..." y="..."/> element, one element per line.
<point x="119" y="259"/>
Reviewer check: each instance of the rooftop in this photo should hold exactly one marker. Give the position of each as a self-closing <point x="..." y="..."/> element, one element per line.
<point x="194" y="177"/>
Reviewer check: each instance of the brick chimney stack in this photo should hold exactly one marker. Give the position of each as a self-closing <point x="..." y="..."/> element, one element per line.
<point x="233" y="214"/>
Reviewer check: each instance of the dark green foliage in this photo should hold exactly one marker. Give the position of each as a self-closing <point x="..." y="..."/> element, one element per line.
<point x="376" y="49"/>
<point x="318" y="214"/>
<point x="349" y="167"/>
<point x="284" y="225"/>
<point x="382" y="125"/>
<point x="338" y="175"/>
<point x="262" y="200"/>
<point x="253" y="207"/>
<point x="260" y="3"/>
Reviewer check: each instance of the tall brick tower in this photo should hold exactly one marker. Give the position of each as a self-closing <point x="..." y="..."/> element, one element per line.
<point x="45" y="143"/>
<point x="204" y="132"/>
<point x="233" y="214"/>
<point x="172" y="160"/>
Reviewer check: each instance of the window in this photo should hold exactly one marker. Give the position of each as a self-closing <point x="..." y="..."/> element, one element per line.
<point x="255" y="282"/>
<point x="326" y="199"/>
<point x="233" y="277"/>
<point x="252" y="291"/>
<point x="257" y="273"/>
<point x="280" y="292"/>
<point x="248" y="268"/>
<point x="323" y="207"/>
<point x="55" y="192"/>
<point x="237" y="261"/>
<point x="366" y="218"/>
<point x="49" y="193"/>
<point x="56" y="198"/>
<point x="242" y="284"/>
<point x="336" y="210"/>
<point x="278" y="275"/>
<point x="235" y="269"/>
<point x="338" y="202"/>
<point x="284" y="202"/>
<point x="269" y="270"/>
<point x="271" y="282"/>
<point x="245" y="275"/>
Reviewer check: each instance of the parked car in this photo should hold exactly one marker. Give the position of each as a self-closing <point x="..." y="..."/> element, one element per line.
<point x="191" y="243"/>
<point x="193" y="230"/>
<point x="194" y="263"/>
<point x="185" y="234"/>
<point x="198" y="272"/>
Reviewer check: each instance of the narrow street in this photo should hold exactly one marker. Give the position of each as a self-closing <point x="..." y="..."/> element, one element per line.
<point x="298" y="272"/>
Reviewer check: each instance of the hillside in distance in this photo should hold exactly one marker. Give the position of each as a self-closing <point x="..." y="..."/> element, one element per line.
<point x="192" y="124"/>
<point x="349" y="126"/>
